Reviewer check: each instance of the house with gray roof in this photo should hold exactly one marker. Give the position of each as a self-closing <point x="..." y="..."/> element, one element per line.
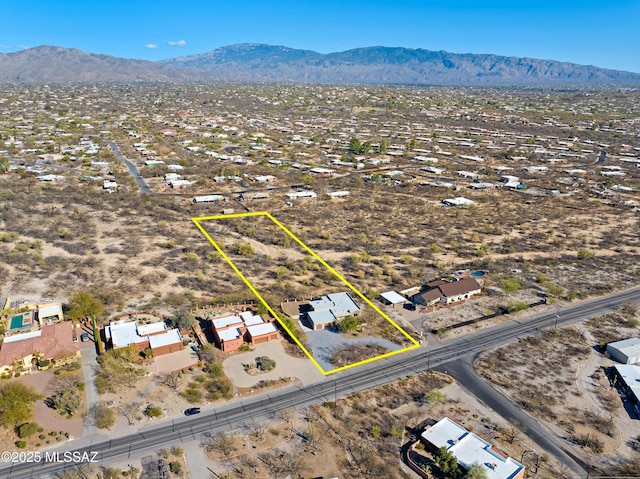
<point x="330" y="309"/>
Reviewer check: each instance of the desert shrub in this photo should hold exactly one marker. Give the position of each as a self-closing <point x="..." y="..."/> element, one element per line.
<point x="153" y="411"/>
<point x="584" y="253"/>
<point x="510" y="285"/>
<point x="348" y="324"/>
<point x="515" y="306"/>
<point x="244" y="249"/>
<point x="28" y="429"/>
<point x="266" y="363"/>
<point x="105" y="416"/>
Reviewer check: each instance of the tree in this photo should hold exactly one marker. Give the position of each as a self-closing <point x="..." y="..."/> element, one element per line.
<point x="130" y="410"/>
<point x="348" y="324"/>
<point x="183" y="320"/>
<point x="16" y="403"/>
<point x="435" y="397"/>
<point x="510" y="285"/>
<point x="308" y="180"/>
<point x="67" y="402"/>
<point x="447" y="463"/>
<point x="4" y="164"/>
<point x="27" y="429"/>
<point x="355" y="146"/>
<point x="554" y="289"/>
<point x="476" y="471"/>
<point x="512" y="434"/>
<point x="221" y="443"/>
<point x="105" y="416"/>
<point x="257" y="431"/>
<point x="83" y="304"/>
<point x="383" y="147"/>
<point x="171" y="380"/>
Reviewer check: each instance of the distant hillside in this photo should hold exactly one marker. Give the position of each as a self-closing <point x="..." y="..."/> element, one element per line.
<point x="61" y="65"/>
<point x="257" y="63"/>
<point x="391" y="65"/>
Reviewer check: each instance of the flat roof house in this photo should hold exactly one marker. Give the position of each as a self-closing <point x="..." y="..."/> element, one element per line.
<point x="470" y="449"/>
<point x="294" y="195"/>
<point x="157" y="336"/>
<point x="233" y="330"/>
<point x="329" y="309"/>
<point x="458" y="201"/>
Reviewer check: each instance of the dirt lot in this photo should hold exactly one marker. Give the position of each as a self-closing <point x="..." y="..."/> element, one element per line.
<point x="577" y="401"/>
<point x="361" y="436"/>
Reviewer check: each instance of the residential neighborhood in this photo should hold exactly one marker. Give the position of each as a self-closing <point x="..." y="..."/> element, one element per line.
<point x="322" y="280"/>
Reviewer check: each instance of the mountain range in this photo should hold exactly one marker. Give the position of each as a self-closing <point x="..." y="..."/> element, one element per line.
<point x="250" y="62"/>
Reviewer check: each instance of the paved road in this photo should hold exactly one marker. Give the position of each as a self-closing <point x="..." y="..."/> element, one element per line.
<point x="462" y="370"/>
<point x="234" y="415"/>
<point x="133" y="170"/>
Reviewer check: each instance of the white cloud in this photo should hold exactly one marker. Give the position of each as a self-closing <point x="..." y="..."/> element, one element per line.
<point x="179" y="43"/>
<point x="151" y="45"/>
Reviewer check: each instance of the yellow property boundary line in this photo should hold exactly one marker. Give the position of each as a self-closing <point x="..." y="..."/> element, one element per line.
<point x="197" y="221"/>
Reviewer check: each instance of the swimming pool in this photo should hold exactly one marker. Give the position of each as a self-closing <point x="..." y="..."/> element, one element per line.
<point x="478" y="273"/>
<point x="16" y="322"/>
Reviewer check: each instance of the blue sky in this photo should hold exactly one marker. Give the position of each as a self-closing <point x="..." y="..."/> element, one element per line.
<point x="601" y="33"/>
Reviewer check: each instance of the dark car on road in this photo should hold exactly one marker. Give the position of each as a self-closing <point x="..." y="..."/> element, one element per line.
<point x="191" y="411"/>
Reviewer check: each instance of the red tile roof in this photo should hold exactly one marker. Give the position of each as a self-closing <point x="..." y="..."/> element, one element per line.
<point x="55" y="340"/>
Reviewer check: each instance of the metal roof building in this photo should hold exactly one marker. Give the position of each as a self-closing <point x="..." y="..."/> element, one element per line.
<point x="626" y="351"/>
<point x="630" y="376"/>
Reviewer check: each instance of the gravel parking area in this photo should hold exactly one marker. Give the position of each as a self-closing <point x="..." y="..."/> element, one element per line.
<point x="325" y="342"/>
